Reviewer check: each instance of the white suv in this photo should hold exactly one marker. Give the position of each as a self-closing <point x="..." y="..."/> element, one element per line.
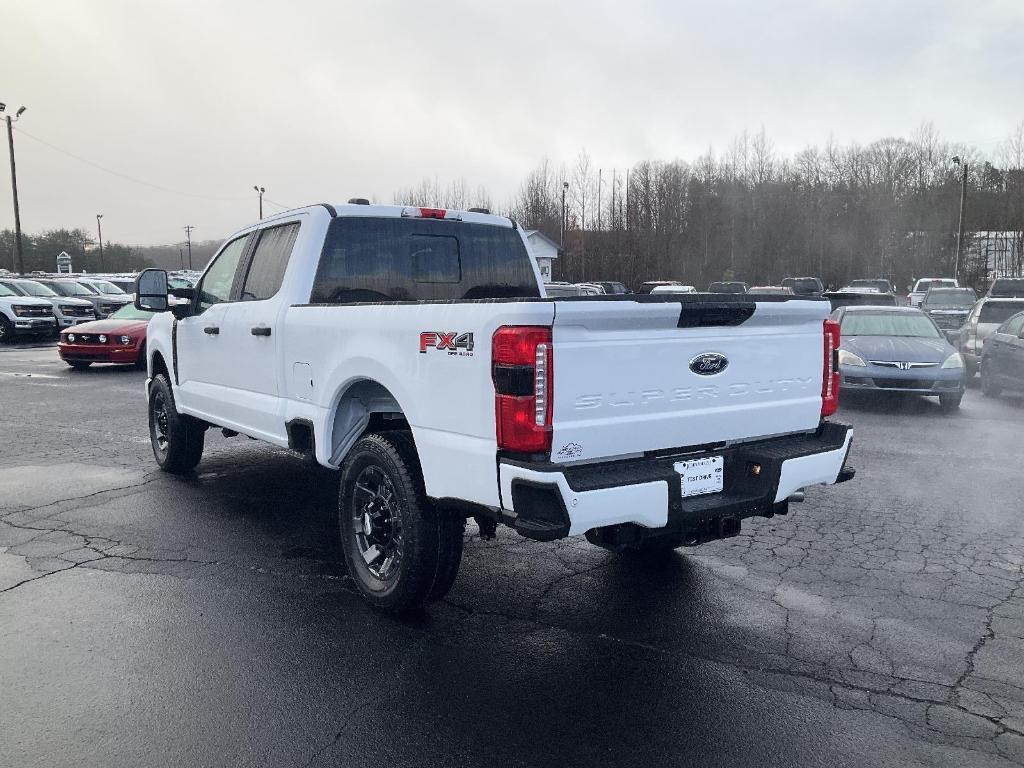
<point x="24" y="315"/>
<point x="69" y="311"/>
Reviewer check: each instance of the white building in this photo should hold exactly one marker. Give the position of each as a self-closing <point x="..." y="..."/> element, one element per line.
<point x="544" y="250"/>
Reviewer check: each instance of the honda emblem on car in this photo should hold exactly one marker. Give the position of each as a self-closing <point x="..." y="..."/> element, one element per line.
<point x="709" y="363"/>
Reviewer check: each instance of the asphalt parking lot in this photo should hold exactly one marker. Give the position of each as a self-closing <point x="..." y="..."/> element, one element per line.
<point x="153" y="620"/>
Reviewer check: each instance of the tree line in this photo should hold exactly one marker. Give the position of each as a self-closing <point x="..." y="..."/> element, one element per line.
<point x="888" y="209"/>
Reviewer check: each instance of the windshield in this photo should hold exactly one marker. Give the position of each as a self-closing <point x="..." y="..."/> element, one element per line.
<point x="950" y="298"/>
<point x="1008" y="286"/>
<point x="906" y="324"/>
<point x="129" y="312"/>
<point x="803" y="284"/>
<point x="104" y="287"/>
<point x="89" y="290"/>
<point x="36" y="289"/>
<point x="998" y="312"/>
<point x="5" y="291"/>
<point x="71" y="289"/>
<point x="840" y="299"/>
<point x="179" y="282"/>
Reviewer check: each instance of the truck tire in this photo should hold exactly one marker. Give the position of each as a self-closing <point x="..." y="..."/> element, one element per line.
<point x="6" y="331"/>
<point x="177" y="439"/>
<point x="402" y="552"/>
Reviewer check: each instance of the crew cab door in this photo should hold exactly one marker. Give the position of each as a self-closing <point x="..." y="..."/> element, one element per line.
<point x="252" y="332"/>
<point x="201" y="349"/>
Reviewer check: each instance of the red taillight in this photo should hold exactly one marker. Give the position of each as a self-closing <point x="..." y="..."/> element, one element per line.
<point x="521" y="369"/>
<point x="830" y="371"/>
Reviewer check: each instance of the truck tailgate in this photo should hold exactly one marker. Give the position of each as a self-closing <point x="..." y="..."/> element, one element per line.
<point x="624" y="383"/>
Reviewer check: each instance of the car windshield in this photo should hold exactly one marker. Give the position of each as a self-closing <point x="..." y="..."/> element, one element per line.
<point x="998" y="312"/>
<point x="950" y="298"/>
<point x="90" y="290"/>
<point x="905" y="324"/>
<point x="179" y="282"/>
<point x="33" y="288"/>
<point x="5" y="291"/>
<point x="1008" y="286"/>
<point x="130" y="312"/>
<point x="803" y="284"/>
<point x="104" y="287"/>
<point x="871" y="299"/>
<point x="71" y="289"/>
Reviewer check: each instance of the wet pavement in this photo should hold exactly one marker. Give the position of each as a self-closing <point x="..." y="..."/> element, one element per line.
<point x="153" y="620"/>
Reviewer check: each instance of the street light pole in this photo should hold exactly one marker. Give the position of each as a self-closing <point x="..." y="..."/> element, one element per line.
<point x="188" y="235"/>
<point x="20" y="265"/>
<point x="960" y="223"/>
<point x="99" y="232"/>
<point x="561" y="231"/>
<point x="260" y="190"/>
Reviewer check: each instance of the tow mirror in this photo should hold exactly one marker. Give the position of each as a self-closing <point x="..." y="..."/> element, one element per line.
<point x="151" y="291"/>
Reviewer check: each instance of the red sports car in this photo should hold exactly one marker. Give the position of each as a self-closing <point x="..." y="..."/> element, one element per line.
<point x="121" y="339"/>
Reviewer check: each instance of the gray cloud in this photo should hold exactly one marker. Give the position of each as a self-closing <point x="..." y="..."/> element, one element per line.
<point x="325" y="100"/>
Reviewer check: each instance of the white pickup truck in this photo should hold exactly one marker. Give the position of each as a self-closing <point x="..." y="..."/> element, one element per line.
<point x="414" y="350"/>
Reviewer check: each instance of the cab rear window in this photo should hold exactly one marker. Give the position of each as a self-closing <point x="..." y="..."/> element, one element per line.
<point x="368" y="259"/>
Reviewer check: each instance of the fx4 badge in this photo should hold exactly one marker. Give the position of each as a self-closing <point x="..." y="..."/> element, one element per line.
<point x="454" y="343"/>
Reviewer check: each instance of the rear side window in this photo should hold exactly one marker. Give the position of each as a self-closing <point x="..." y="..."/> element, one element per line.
<point x="269" y="262"/>
<point x="368" y="259"/>
<point x="999" y="312"/>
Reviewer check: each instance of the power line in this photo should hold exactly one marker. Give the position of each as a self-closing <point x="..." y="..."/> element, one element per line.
<point x="124" y="175"/>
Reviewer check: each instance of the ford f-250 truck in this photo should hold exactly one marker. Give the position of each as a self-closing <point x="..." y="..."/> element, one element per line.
<point x="414" y="350"/>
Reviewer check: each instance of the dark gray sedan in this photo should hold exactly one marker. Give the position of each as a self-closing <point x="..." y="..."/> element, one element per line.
<point x="897" y="349"/>
<point x="1002" y="361"/>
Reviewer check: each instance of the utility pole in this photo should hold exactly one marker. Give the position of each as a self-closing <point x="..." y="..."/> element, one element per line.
<point x="260" y="190"/>
<point x="599" y="199"/>
<point x="20" y="263"/>
<point x="960" y="224"/>
<point x="181" y="257"/>
<point x="561" y="232"/>
<point x="99" y="232"/>
<point x="188" y="235"/>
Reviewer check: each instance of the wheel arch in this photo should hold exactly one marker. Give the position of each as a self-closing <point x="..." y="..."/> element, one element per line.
<point x="355" y="407"/>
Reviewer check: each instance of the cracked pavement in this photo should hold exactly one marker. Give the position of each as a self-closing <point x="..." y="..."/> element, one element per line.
<point x="151" y="620"/>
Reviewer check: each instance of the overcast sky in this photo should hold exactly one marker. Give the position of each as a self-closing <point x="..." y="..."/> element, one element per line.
<point x="327" y="100"/>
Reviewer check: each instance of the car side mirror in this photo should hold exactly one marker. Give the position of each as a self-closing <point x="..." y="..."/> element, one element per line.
<point x="151" y="291"/>
<point x="953" y="337"/>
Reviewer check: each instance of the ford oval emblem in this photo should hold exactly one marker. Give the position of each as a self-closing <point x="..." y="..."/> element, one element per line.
<point x="709" y="364"/>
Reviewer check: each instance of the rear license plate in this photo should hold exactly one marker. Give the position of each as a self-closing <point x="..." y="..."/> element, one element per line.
<point x="700" y="476"/>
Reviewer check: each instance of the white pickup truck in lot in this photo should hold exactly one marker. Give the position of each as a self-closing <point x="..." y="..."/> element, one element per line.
<point x="414" y="350"/>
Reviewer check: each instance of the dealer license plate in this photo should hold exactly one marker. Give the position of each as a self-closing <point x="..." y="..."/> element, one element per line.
<point x="700" y="476"/>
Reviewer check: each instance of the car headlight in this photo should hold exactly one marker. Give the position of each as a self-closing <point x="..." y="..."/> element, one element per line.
<point x="103" y="339"/>
<point x="125" y="340"/>
<point x="954" y="361"/>
<point x="848" y="358"/>
<point x="71" y="337"/>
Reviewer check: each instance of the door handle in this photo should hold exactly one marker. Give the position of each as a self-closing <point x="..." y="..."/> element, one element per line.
<point x="259" y="330"/>
<point x="212" y="330"/>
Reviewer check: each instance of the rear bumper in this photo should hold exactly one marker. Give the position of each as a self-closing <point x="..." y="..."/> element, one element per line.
<point x="546" y="501"/>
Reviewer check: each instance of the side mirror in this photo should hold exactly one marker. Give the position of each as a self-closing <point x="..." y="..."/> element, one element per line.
<point x="151" y="291"/>
<point x="953" y="337"/>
